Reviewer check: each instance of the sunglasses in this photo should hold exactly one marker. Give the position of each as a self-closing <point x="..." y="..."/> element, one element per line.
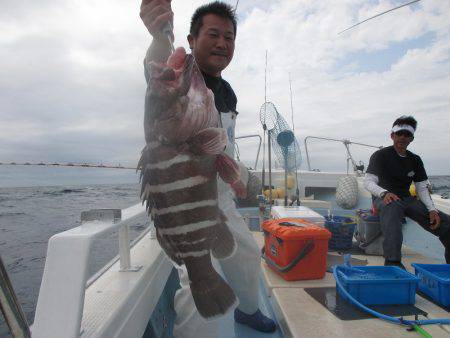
<point x="403" y="133"/>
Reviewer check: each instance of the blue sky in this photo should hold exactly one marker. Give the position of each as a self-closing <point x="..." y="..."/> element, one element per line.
<point x="72" y="84"/>
<point x="381" y="60"/>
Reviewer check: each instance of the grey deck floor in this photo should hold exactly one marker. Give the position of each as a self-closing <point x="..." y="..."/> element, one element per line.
<point x="291" y="303"/>
<point x="229" y="329"/>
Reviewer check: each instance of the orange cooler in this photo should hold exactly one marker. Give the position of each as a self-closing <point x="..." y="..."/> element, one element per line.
<point x="295" y="248"/>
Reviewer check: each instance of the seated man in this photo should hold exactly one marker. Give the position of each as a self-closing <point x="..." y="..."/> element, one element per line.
<point x="389" y="175"/>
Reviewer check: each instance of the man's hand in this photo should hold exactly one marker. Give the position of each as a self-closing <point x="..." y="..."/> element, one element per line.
<point x="435" y="220"/>
<point x="390" y="197"/>
<point x="240" y="189"/>
<point x="156" y="14"/>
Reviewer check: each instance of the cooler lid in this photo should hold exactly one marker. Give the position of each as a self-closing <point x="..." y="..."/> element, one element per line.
<point x="297" y="212"/>
<point x="295" y="228"/>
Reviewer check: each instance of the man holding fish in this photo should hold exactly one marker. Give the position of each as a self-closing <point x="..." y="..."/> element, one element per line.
<point x="211" y="40"/>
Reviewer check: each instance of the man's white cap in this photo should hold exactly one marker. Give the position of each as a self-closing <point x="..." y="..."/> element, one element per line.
<point x="399" y="127"/>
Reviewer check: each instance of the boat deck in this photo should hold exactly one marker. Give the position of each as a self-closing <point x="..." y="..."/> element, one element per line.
<point x="228" y="326"/>
<point x="300" y="315"/>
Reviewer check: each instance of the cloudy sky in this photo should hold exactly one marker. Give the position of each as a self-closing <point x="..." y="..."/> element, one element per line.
<point x="72" y="84"/>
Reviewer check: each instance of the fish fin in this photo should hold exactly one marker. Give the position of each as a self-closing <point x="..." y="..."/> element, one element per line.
<point x="228" y="168"/>
<point x="145" y="158"/>
<point x="211" y="141"/>
<point x="213" y="297"/>
<point x="144" y="178"/>
<point x="224" y="245"/>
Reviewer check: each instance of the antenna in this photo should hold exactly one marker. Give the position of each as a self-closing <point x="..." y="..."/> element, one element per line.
<point x="379" y="14"/>
<point x="236" y="6"/>
<point x="265" y="80"/>
<point x="292" y="107"/>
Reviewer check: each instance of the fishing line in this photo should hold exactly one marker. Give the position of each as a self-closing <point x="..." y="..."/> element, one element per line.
<point x="379" y="14"/>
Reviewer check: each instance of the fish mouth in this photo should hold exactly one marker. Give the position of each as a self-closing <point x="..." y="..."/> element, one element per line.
<point x="177" y="78"/>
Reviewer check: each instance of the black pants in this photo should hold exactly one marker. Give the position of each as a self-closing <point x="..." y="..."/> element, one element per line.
<point x="391" y="217"/>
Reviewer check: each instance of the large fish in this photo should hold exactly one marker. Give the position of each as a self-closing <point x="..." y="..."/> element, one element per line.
<point x="179" y="166"/>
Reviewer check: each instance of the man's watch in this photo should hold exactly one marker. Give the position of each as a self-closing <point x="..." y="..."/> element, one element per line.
<point x="383" y="194"/>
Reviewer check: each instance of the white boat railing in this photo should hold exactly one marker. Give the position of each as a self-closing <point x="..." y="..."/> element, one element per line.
<point x="245" y="137"/>
<point x="61" y="297"/>
<point x="356" y="168"/>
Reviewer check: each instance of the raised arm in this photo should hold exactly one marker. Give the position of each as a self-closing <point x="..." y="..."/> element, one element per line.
<point x="156" y="15"/>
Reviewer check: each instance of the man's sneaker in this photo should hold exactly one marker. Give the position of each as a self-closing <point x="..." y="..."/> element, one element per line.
<point x="256" y="321"/>
<point x="394" y="263"/>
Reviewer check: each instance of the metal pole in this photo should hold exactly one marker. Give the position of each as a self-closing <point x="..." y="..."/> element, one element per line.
<point x="12" y="311"/>
<point x="270" y="170"/>
<point x="259" y="146"/>
<point x="124" y="251"/>
<point x="307" y="154"/>
<point x="263" y="174"/>
<point x="345" y="142"/>
<point x="285" y="180"/>
<point x="124" y="248"/>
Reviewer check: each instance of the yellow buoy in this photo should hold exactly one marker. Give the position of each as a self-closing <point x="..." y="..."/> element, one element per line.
<point x="290" y="182"/>
<point x="276" y="193"/>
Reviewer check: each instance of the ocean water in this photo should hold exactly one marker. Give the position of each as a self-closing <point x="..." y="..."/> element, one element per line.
<point x="441" y="185"/>
<point x="49" y="200"/>
<point x="37" y="202"/>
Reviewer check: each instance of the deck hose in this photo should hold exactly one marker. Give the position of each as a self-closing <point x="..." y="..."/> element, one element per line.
<point x="421" y="331"/>
<point x="411" y="323"/>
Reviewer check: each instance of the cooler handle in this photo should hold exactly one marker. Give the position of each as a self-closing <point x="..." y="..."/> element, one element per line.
<point x="302" y="254"/>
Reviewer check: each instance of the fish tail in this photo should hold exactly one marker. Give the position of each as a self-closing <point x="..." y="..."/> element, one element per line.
<point x="224" y="245"/>
<point x="213" y="297"/>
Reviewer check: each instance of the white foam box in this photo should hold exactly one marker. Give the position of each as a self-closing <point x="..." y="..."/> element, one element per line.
<point x="301" y="211"/>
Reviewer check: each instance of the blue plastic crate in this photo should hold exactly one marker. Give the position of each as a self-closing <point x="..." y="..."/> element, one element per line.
<point x="342" y="229"/>
<point x="380" y="285"/>
<point x="434" y="281"/>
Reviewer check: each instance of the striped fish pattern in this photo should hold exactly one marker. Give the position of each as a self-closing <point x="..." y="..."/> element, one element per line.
<point x="179" y="167"/>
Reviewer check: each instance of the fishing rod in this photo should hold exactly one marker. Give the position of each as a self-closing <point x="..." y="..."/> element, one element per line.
<point x="268" y="142"/>
<point x="263" y="174"/>
<point x="379" y="14"/>
<point x="297" y="191"/>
